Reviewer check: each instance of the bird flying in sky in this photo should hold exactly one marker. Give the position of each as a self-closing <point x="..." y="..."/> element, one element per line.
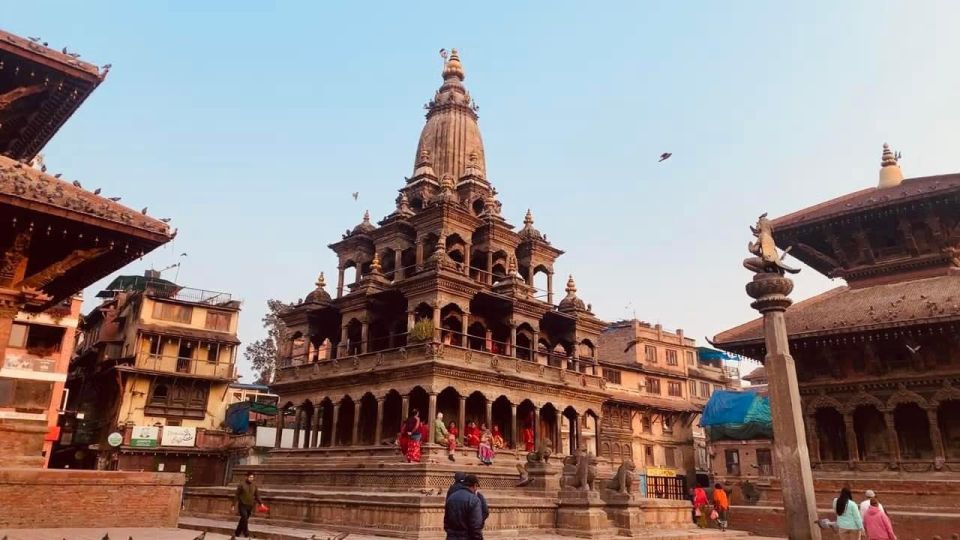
<point x="355" y="195"/>
<point x="664" y="156"/>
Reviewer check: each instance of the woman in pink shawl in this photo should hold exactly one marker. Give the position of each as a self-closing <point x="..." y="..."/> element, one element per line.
<point x="877" y="524"/>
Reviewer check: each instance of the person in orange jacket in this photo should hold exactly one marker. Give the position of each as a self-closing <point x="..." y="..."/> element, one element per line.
<point x="721" y="504"/>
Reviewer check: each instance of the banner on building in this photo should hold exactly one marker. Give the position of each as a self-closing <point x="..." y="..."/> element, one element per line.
<point x="661" y="472"/>
<point x="145" y="436"/>
<point x="179" y="436"/>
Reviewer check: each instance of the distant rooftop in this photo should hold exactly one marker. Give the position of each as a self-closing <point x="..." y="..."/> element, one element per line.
<point x="152" y="284"/>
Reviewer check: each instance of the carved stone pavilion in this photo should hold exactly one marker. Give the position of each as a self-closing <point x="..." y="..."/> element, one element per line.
<point x="495" y="350"/>
<point x="55" y="236"/>
<point x="878" y="359"/>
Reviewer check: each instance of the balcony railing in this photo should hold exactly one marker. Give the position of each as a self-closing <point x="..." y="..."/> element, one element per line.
<point x="186" y="294"/>
<point x="186" y="366"/>
<point x="396" y="357"/>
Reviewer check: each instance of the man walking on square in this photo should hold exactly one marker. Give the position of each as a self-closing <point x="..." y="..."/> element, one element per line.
<point x="463" y="512"/>
<point x="248" y="496"/>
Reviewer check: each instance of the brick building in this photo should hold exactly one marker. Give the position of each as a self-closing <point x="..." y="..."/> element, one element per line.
<point x="40" y="349"/>
<point x="660" y="380"/>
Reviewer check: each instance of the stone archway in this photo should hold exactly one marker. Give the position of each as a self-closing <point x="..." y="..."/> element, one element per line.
<point x="913" y="431"/>
<point x="871" y="430"/>
<point x="832" y="434"/>
<point x="344" y="434"/>
<point x="390" y="424"/>
<point x="947" y="414"/>
<point x="502" y="413"/>
<point x="367" y="426"/>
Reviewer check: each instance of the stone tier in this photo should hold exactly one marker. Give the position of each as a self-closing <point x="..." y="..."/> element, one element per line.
<point x="919" y="493"/>
<point x="369" y="490"/>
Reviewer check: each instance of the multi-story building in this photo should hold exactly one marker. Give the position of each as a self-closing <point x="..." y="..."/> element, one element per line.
<point x="151" y="373"/>
<point x="660" y="380"/>
<point x="39" y="349"/>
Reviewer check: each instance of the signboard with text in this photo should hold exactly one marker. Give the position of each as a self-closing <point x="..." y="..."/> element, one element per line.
<point x="179" y="436"/>
<point x="145" y="436"/>
<point x="661" y="472"/>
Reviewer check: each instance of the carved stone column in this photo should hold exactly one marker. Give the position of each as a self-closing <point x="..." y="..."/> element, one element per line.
<point x="431" y="414"/>
<point x="813" y="440"/>
<point x="770" y="292"/>
<point x="936" y="439"/>
<point x="411" y="320"/>
<point x="893" y="443"/>
<point x="397" y="265"/>
<point x="404" y="407"/>
<point x="853" y="450"/>
<point x="364" y="336"/>
<point x="489" y="279"/>
<point x="278" y="439"/>
<point x="513" y="339"/>
<point x="550" y="287"/>
<point x="297" y="425"/>
<point x="419" y="248"/>
<point x="514" y="436"/>
<point x="537" y="436"/>
<point x="354" y="437"/>
<point x="340" y="271"/>
<point x="333" y="426"/>
<point x="378" y="433"/>
<point x="489" y="416"/>
<point x="315" y="430"/>
<point x="461" y="419"/>
<point x="466" y="257"/>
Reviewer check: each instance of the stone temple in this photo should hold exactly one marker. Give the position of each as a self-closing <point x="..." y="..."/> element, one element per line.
<point x="438" y="314"/>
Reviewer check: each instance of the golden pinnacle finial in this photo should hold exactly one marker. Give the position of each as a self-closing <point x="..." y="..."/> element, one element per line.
<point x="512" y="266"/>
<point x="366" y="216"/>
<point x="452" y="67"/>
<point x="528" y="219"/>
<point x="375" y="266"/>
<point x="321" y="281"/>
<point x="888" y="158"/>
<point x="890" y="173"/>
<point x="571" y="285"/>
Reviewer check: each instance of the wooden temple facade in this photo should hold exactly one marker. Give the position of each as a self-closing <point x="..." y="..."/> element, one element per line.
<point x="878" y="359"/>
<point x="55" y="236"/>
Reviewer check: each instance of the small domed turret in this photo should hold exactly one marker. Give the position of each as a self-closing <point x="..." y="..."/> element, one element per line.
<point x="365" y="227"/>
<point x="319" y="294"/>
<point x="571" y="302"/>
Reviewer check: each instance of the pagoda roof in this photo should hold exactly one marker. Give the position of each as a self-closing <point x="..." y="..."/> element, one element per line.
<point x="846" y="310"/>
<point x="910" y="190"/>
<point x="76" y="236"/>
<point x="29" y="188"/>
<point x="757" y="374"/>
<point x="40" y="88"/>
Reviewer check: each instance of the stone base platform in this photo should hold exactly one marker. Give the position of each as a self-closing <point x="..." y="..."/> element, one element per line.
<point x="222" y="528"/>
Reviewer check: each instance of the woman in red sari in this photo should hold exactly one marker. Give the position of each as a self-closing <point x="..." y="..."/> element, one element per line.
<point x="528" y="438"/>
<point x="452" y="429"/>
<point x="471" y="436"/>
<point x="411" y="428"/>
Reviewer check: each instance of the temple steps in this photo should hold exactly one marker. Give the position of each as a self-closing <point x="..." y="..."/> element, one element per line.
<point x="261" y="528"/>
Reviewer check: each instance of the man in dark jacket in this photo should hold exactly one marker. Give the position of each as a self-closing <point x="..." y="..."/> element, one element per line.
<point x="463" y="512"/>
<point x="457" y="480"/>
<point x="247" y="496"/>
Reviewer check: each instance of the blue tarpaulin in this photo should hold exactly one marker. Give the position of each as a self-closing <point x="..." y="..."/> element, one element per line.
<point x="737" y="415"/>
<point x="706" y="354"/>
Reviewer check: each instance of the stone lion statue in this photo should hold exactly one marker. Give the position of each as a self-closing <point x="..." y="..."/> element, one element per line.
<point x="622" y="481"/>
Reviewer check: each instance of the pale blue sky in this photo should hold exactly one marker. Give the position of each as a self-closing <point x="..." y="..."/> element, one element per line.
<point x="250" y="123"/>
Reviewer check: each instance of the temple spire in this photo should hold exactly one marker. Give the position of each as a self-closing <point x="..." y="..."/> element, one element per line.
<point x="321" y="281"/>
<point x="890" y="173"/>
